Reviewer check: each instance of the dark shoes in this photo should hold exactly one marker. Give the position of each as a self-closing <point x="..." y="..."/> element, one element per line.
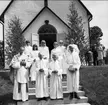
<point x="71" y="96"/>
<point x="74" y="95"/>
<point x="46" y="98"/>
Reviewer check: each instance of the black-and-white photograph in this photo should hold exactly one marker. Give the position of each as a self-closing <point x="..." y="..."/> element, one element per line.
<point x="53" y="52"/>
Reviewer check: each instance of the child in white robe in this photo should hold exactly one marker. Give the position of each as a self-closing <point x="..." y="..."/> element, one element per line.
<point x="20" y="63"/>
<point x="73" y="62"/>
<point x="55" y="79"/>
<point x="35" y="58"/>
<point x="42" y="78"/>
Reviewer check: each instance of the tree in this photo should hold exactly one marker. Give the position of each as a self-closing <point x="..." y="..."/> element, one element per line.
<point x="76" y="31"/>
<point x="95" y="35"/>
<point x="14" y="39"/>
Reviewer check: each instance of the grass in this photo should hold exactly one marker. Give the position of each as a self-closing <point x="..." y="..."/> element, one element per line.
<point x="6" y="89"/>
<point x="95" y="83"/>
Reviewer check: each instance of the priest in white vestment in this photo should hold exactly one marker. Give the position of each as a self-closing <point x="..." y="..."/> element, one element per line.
<point x="73" y="62"/>
<point x="20" y="63"/>
<point x="44" y="50"/>
<point x="35" y="58"/>
<point x="42" y="78"/>
<point x="55" y="78"/>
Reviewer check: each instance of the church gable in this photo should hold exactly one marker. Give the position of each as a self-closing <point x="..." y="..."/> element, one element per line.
<point x="38" y="21"/>
<point x="35" y="28"/>
<point x="48" y="14"/>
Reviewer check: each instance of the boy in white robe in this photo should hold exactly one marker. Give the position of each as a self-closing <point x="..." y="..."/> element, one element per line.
<point x="42" y="78"/>
<point x="73" y="62"/>
<point x="20" y="63"/>
<point x="55" y="79"/>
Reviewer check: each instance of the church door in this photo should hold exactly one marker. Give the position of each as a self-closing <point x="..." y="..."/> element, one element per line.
<point x="48" y="33"/>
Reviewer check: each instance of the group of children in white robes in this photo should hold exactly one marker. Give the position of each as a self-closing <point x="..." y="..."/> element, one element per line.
<point x="37" y="61"/>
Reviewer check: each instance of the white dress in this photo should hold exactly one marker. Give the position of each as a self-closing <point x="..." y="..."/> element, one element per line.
<point x="73" y="59"/>
<point x="55" y="80"/>
<point x="42" y="79"/>
<point x="33" y="67"/>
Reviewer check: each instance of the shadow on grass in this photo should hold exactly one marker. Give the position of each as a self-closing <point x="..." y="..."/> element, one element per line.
<point x="5" y="75"/>
<point x="6" y="88"/>
<point x="7" y="99"/>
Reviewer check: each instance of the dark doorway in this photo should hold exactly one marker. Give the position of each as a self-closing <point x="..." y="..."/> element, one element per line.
<point x="48" y="33"/>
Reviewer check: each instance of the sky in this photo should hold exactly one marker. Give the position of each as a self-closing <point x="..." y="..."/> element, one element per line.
<point x="99" y="10"/>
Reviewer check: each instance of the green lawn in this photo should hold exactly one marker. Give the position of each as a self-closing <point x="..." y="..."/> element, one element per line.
<point x="95" y="83"/>
<point x="93" y="79"/>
